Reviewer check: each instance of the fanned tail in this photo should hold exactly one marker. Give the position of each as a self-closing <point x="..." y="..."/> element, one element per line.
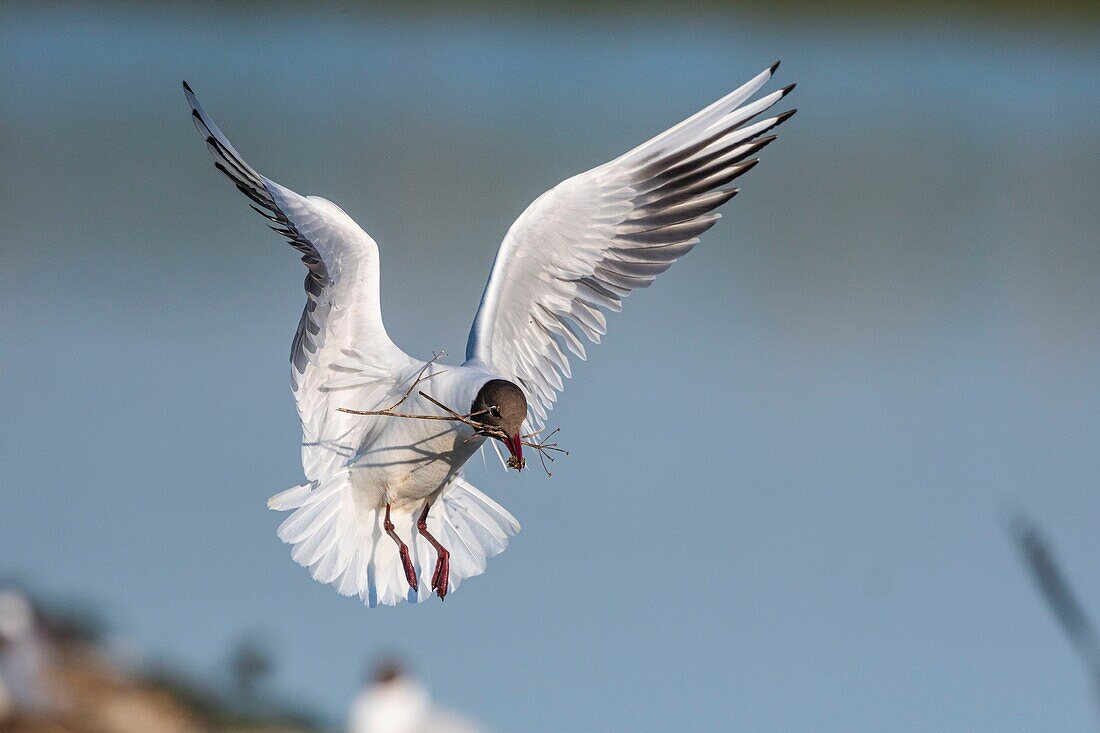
<point x="346" y="545"/>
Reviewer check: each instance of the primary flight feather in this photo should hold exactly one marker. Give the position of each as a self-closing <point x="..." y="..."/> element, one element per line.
<point x="384" y="500"/>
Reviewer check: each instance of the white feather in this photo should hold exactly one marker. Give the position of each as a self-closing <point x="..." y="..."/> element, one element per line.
<point x="587" y="243"/>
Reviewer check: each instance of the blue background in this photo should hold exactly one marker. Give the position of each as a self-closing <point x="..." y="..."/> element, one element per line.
<point x="793" y="459"/>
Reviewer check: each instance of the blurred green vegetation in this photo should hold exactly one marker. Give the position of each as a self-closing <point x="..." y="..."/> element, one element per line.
<point x="970" y="12"/>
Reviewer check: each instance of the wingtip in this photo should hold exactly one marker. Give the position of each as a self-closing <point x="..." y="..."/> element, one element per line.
<point x="773" y="67"/>
<point x="788" y="89"/>
<point x="192" y="100"/>
<point x="785" y="116"/>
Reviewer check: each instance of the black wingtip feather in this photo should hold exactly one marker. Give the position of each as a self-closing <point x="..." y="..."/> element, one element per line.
<point x="773" y="67"/>
<point x="187" y="86"/>
<point x="788" y="89"/>
<point x="785" y="116"/>
<point x="747" y="166"/>
<point x="230" y="176"/>
<point x="756" y="147"/>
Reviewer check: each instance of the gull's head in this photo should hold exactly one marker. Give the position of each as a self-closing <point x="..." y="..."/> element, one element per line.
<point x="501" y="404"/>
<point x="388" y="671"/>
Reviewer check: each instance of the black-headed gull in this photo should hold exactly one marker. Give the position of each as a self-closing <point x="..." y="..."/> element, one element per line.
<point x="385" y="501"/>
<point x="396" y="702"/>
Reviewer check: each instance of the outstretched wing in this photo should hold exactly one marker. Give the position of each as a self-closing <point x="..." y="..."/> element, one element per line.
<point x="340" y="343"/>
<point x="584" y="245"/>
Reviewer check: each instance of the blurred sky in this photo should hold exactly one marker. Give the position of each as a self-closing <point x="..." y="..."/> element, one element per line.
<point x="793" y="458"/>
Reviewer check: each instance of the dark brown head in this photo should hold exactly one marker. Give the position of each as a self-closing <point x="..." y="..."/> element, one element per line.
<point x="501" y="404"/>
<point x="388" y="671"/>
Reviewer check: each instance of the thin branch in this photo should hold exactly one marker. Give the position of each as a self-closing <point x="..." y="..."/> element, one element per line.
<point x="545" y="449"/>
<point x="462" y="418"/>
<point x="436" y="356"/>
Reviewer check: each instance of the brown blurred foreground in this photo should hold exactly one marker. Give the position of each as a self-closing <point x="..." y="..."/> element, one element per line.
<point x="91" y="695"/>
<point x="57" y="679"/>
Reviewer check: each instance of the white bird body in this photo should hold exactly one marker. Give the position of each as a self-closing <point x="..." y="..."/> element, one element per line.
<point x="402" y="705"/>
<point x="571" y="257"/>
<point x="403" y="462"/>
<point x="338" y="527"/>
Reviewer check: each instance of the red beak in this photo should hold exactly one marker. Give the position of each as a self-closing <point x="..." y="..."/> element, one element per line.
<point x="515" y="447"/>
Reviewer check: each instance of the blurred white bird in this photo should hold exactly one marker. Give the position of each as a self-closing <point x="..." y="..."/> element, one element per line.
<point x="22" y="689"/>
<point x="384" y="498"/>
<point x="397" y="703"/>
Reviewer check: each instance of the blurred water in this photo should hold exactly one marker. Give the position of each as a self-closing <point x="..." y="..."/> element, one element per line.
<point x="792" y="458"/>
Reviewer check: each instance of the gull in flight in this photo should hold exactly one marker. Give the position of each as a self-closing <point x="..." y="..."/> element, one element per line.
<point x="385" y="513"/>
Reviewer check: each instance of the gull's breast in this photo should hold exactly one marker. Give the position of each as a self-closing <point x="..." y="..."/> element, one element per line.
<point x="412" y="459"/>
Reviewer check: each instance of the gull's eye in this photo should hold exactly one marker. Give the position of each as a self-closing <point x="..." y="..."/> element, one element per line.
<point x="494" y="411"/>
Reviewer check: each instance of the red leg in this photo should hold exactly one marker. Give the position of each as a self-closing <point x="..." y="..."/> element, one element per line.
<point x="410" y="571"/>
<point x="441" y="576"/>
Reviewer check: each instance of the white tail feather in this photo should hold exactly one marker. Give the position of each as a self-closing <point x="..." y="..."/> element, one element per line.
<point x="346" y="545"/>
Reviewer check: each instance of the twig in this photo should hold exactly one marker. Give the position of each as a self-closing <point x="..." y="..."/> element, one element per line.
<point x="436" y="356"/>
<point x="545" y="449"/>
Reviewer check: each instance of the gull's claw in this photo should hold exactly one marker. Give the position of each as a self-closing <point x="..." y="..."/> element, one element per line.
<point x="410" y="571"/>
<point x="442" y="575"/>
